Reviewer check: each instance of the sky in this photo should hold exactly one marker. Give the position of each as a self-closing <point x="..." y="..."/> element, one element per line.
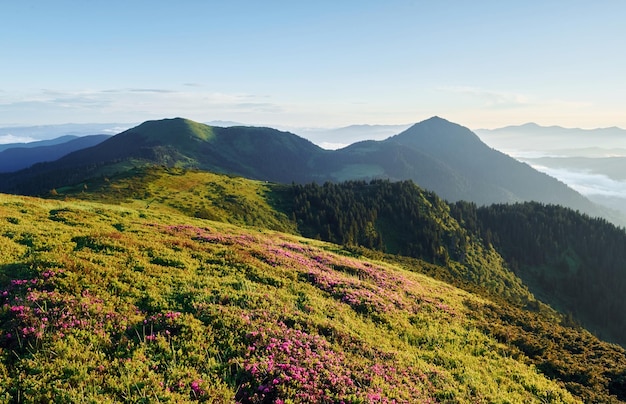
<point x="482" y="64"/>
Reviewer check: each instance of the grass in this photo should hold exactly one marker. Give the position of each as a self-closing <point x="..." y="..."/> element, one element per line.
<point x="124" y="303"/>
<point x="121" y="292"/>
<point x="193" y="193"/>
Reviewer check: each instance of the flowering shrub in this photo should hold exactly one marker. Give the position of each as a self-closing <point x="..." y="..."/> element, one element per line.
<point x="32" y="308"/>
<point x="283" y="362"/>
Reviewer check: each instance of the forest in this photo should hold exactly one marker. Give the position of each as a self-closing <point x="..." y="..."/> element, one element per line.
<point x="574" y="261"/>
<point x="567" y="259"/>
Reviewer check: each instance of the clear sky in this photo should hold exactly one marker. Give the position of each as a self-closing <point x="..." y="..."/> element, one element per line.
<point x="482" y="64"/>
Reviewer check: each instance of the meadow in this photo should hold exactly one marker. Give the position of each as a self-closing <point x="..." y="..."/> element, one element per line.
<point x="115" y="303"/>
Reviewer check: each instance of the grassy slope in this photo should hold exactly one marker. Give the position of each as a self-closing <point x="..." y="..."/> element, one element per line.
<point x="256" y="203"/>
<point x="197" y="194"/>
<point x="126" y="240"/>
<point x="111" y="304"/>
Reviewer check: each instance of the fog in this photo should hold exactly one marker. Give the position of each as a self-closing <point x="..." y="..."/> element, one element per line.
<point x="597" y="187"/>
<point x="9" y="138"/>
<point x="586" y="182"/>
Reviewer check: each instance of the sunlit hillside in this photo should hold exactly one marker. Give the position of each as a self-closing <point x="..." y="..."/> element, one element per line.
<point x="140" y="302"/>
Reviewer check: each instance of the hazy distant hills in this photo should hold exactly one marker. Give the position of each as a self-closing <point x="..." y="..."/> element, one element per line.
<point x="436" y="154"/>
<point x="336" y="138"/>
<point x="23" y="155"/>
<point x="38" y="143"/>
<point x="531" y="137"/>
<point x="30" y="134"/>
<point x="592" y="161"/>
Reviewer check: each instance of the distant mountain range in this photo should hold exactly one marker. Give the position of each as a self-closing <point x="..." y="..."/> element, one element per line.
<point x="29" y="134"/>
<point x="551" y="140"/>
<point x="436" y="154"/>
<point x="592" y="161"/>
<point x="337" y="138"/>
<point x="38" y="143"/>
<point x="23" y="155"/>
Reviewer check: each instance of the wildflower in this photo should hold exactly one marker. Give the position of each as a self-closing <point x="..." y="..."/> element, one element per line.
<point x="195" y="387"/>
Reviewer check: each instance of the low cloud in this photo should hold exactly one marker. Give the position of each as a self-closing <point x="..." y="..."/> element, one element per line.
<point x="332" y="146"/>
<point x="5" y="139"/>
<point x="587" y="183"/>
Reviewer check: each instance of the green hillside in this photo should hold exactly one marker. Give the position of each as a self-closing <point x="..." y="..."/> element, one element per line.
<point x="194" y="193"/>
<point x="397" y="218"/>
<point x="572" y="261"/>
<point x="496" y="304"/>
<point x="104" y="303"/>
<point x="400" y="218"/>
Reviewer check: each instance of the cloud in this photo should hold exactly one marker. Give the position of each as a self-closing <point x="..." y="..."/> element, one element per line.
<point x="508" y="100"/>
<point x="332" y="146"/>
<point x="490" y="98"/>
<point x="260" y="106"/>
<point x="150" y="90"/>
<point x="587" y="183"/>
<point x="130" y="105"/>
<point x="114" y="130"/>
<point x="4" y="139"/>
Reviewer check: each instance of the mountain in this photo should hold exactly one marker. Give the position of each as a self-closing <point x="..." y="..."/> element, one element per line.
<point x="451" y="161"/>
<point x="592" y="161"/>
<point x="487" y="175"/>
<point x="335" y="138"/>
<point x="260" y="153"/>
<point x="128" y="298"/>
<point x="30" y="134"/>
<point x="436" y="154"/>
<point x="17" y="158"/>
<point x="531" y="137"/>
<point x="38" y="143"/>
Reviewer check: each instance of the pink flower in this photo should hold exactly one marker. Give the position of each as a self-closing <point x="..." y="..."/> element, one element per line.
<point x="195" y="387"/>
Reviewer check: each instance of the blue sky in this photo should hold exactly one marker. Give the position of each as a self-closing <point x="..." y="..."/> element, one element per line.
<point x="482" y="64"/>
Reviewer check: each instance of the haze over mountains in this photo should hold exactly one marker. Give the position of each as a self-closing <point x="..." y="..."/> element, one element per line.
<point x="29" y="134"/>
<point x="23" y="155"/>
<point x="530" y="138"/>
<point x="436" y="154"/>
<point x="592" y="161"/>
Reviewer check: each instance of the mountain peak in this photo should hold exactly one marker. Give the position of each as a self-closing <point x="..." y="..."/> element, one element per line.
<point x="434" y="120"/>
<point x="172" y="130"/>
<point x="436" y="130"/>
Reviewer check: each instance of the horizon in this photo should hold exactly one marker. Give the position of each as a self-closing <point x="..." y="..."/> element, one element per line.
<point x="591" y="184"/>
<point x="6" y="137"/>
<point x="327" y="64"/>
